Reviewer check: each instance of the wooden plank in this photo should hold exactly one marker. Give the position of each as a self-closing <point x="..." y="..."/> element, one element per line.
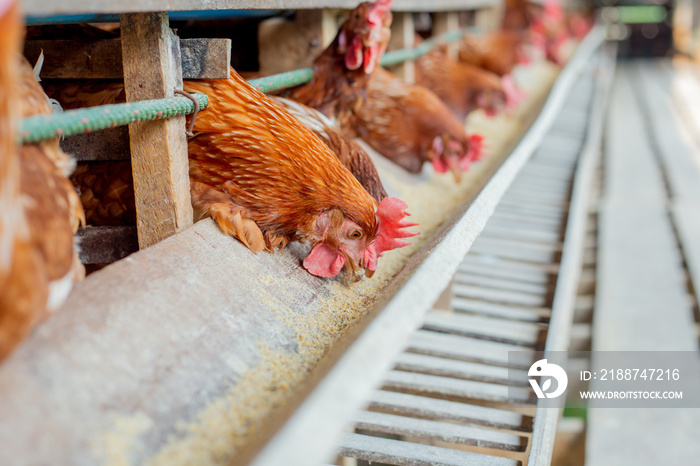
<point x="461" y="348"/>
<point x="434" y="385"/>
<point x="524" y="313"/>
<point x="403" y="36"/>
<point x="433" y="365"/>
<point x="102" y="59"/>
<point x="104" y="245"/>
<point x="381" y="450"/>
<point x="432" y="408"/>
<point x="445" y="21"/>
<point x="371" y="422"/>
<point x="109" y="144"/>
<point x="640" y="293"/>
<point x="45" y="8"/>
<point x="158" y="148"/>
<point x="488" y="328"/>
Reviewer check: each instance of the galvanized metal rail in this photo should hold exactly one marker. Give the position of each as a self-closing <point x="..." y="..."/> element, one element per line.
<point x="448" y="391"/>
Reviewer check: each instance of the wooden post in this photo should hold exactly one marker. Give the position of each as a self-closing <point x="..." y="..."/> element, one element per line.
<point x="402" y="36"/>
<point x="488" y="19"/>
<point x="152" y="70"/>
<point x="444" y="21"/>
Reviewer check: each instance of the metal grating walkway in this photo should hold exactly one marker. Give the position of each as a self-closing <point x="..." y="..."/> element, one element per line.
<point x="445" y="402"/>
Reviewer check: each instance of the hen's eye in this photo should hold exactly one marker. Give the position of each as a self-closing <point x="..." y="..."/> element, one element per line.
<point x="355" y="234"/>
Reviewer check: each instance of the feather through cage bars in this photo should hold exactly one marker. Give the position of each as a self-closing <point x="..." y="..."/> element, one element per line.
<point x="42" y="127"/>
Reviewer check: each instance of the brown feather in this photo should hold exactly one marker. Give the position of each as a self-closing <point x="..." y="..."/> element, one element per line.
<point x="457" y="84"/>
<point x="43" y="208"/>
<point x="401" y="120"/>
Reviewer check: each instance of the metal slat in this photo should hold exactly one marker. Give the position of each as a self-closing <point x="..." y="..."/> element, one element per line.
<point x="524" y="313"/>
<point x="433" y="365"/>
<point x="525" y="245"/>
<point x="515" y="265"/>
<point x="545" y="237"/>
<point x="448" y="387"/>
<point x="459" y="347"/>
<point x="500" y="283"/>
<point x="488" y="328"/>
<point x="433" y="408"/>
<point x="492" y="269"/>
<point x="400" y="453"/>
<point x="499" y="296"/>
<point x="367" y="421"/>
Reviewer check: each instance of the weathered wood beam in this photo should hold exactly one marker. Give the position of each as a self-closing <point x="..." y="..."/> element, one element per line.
<point x="102" y="59"/>
<point x="50" y="7"/>
<point x="403" y="36"/>
<point x="104" y="245"/>
<point x="488" y="18"/>
<point x="110" y="144"/>
<point x="151" y="57"/>
<point x="444" y="22"/>
<point x="286" y="45"/>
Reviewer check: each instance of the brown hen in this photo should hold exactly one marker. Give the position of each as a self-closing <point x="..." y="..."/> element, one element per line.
<point x="341" y="73"/>
<point x="349" y="152"/>
<point x="266" y="179"/>
<point x="410" y="125"/>
<point x="41" y="211"/>
<point x="497" y="51"/>
<point x="463" y="87"/>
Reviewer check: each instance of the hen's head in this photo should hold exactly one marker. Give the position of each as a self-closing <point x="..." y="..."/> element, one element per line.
<point x="341" y="242"/>
<point x="454" y="155"/>
<point x="364" y="36"/>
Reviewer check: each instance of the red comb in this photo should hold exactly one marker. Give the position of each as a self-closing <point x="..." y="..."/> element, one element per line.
<point x="391" y="215"/>
<point x="514" y="95"/>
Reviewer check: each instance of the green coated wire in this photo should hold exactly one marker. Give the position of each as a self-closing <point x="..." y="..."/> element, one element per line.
<point x="41" y="127"/>
<point x="294" y="78"/>
<point x="85" y="120"/>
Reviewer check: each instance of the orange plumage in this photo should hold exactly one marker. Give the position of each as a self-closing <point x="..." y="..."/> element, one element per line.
<point x="410" y="125"/>
<point x="266" y="179"/>
<point x="497" y="51"/>
<point x="341" y="73"/>
<point x="461" y="87"/>
<point x="41" y="211"/>
<point x="349" y="152"/>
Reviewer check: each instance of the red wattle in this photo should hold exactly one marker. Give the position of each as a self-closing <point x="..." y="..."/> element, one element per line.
<point x="324" y="261"/>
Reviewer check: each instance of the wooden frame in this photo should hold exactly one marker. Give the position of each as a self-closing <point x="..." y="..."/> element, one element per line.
<point x="55" y="7"/>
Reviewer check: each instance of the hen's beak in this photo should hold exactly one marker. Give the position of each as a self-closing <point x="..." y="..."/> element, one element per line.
<point x="453" y="163"/>
<point x="369" y="273"/>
